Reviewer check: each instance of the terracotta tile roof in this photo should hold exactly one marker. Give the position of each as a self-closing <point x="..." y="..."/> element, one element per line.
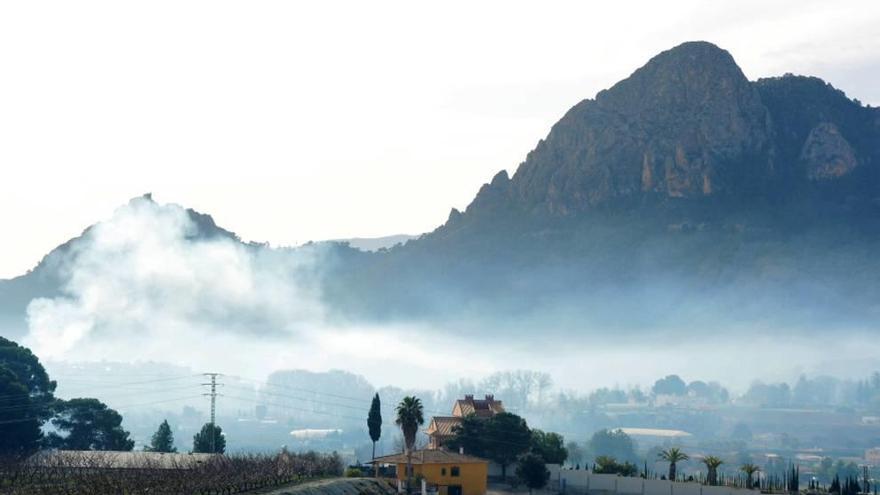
<point x="431" y="456"/>
<point x="443" y="425"/>
<point x="484" y="408"/>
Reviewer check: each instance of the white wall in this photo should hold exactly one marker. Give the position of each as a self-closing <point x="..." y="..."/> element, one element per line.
<point x="581" y="481"/>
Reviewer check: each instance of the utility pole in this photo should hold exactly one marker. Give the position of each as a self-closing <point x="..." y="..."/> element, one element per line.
<point x="213" y="395"/>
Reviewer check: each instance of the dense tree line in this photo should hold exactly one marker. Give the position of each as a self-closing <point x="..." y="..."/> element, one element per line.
<point x="27" y="403"/>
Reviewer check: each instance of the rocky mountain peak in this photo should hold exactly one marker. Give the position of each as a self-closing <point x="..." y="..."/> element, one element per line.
<point x="688" y="125"/>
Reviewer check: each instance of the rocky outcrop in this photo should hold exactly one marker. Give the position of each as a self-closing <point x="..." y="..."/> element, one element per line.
<point x="688" y="125"/>
<point x="826" y="154"/>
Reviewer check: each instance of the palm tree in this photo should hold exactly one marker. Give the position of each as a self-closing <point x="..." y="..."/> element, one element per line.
<point x="409" y="418"/>
<point x="750" y="469"/>
<point x="672" y="456"/>
<point x="712" y="464"/>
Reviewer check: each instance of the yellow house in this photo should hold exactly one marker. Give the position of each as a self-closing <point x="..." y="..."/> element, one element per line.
<point x="452" y="473"/>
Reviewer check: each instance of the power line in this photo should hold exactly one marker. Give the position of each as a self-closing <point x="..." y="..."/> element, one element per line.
<point x="46" y="403"/>
<point x="118" y="407"/>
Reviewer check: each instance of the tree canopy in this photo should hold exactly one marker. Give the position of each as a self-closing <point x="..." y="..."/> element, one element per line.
<point x="609" y="465"/>
<point x="163" y="439"/>
<point x="374" y="419"/>
<point x="670" y="385"/>
<point x="532" y="471"/>
<point x="550" y="446"/>
<point x="30" y="373"/>
<point x="202" y="440"/>
<point x="88" y="424"/>
<point x="501" y="438"/>
<point x="19" y="417"/>
<point x="612" y="443"/>
<point x="410" y="415"/>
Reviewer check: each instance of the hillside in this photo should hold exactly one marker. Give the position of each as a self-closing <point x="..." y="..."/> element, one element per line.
<point x="684" y="196"/>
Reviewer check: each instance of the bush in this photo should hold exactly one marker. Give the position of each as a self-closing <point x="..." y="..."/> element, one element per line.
<point x="353" y="472"/>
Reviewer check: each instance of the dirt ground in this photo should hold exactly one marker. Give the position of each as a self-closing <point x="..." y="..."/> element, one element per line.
<point x="336" y="486"/>
<point x="504" y="489"/>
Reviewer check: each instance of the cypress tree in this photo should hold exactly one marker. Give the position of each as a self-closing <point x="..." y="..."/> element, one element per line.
<point x="374" y="421"/>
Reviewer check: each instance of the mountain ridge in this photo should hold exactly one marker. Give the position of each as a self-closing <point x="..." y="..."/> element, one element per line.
<point x="712" y="134"/>
<point x="682" y="191"/>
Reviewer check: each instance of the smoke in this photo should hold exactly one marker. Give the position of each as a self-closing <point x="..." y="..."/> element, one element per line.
<point x="150" y="275"/>
<point x="152" y="283"/>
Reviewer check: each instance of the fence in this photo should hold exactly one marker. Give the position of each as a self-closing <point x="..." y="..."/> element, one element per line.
<point x="585" y="482"/>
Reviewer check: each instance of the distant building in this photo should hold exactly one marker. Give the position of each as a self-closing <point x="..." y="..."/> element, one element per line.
<point x="655" y="436"/>
<point x="872" y="457"/>
<point x="440" y="430"/>
<point x="450" y="473"/>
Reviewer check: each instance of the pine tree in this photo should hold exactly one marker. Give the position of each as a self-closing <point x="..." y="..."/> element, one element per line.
<point x="202" y="440"/>
<point x="163" y="439"/>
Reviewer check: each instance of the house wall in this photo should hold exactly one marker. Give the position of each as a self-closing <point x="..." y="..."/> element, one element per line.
<point x="472" y="476"/>
<point x="585" y="482"/>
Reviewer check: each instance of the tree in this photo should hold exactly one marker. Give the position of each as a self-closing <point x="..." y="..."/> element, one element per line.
<point x="612" y="443"/>
<point x="609" y="465"/>
<point x="30" y="373"/>
<point x="712" y="463"/>
<point x="410" y="416"/>
<point x="550" y="446"/>
<point x="19" y="417"/>
<point x="505" y="437"/>
<point x="202" y="441"/>
<point x="501" y="438"/>
<point x="88" y="424"/>
<point x="673" y="456"/>
<point x="749" y="469"/>
<point x="374" y="422"/>
<point x="469" y="435"/>
<point x="670" y="385"/>
<point x="532" y="471"/>
<point x="163" y="439"/>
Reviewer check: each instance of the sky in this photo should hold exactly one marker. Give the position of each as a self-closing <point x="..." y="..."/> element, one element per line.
<point x="297" y="121"/>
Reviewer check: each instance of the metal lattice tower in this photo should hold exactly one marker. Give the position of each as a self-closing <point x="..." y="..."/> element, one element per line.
<point x="213" y="395"/>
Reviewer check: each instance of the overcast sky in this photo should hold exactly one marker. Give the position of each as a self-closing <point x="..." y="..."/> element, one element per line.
<point x="295" y="121"/>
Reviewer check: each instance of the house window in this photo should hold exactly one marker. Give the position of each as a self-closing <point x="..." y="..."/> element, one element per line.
<point x="456" y="471"/>
<point x="442" y="471"/>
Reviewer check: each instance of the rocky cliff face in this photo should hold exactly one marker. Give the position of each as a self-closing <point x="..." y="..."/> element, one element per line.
<point x="688" y="125"/>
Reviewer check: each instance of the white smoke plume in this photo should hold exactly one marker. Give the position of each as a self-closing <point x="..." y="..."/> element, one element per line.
<point x="144" y="285"/>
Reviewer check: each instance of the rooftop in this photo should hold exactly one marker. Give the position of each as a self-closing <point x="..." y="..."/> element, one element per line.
<point x="430" y="456"/>
<point x="481" y="407"/>
<point x="654" y="432"/>
<point x="443" y="425"/>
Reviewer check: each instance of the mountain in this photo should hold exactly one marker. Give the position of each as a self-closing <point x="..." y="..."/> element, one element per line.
<point x="49" y="275"/>
<point x="684" y="196"/>
<point x="689" y="125"/>
<point x="376" y="243"/>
